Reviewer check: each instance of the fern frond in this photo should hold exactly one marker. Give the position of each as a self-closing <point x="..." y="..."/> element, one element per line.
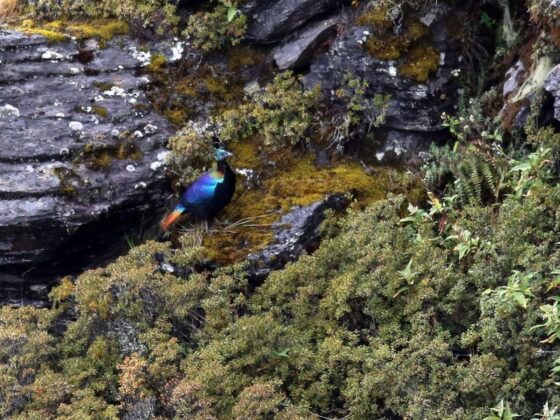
<point x="489" y="177"/>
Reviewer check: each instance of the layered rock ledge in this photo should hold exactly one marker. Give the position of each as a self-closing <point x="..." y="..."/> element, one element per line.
<point x="81" y="150"/>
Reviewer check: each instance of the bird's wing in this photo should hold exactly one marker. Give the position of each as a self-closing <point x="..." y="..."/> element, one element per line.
<point x="204" y="187"/>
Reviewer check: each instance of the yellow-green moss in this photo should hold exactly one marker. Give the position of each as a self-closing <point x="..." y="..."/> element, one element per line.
<point x="388" y="46"/>
<point x="104" y="29"/>
<point x="242" y="56"/>
<point x="101" y="111"/>
<point x="186" y="86"/>
<point x="103" y="86"/>
<point x="157" y="62"/>
<point x="377" y="17"/>
<point x="65" y="176"/>
<point x="55" y="25"/>
<point x="296" y="182"/>
<point x="176" y="116"/>
<point x="127" y="150"/>
<point x="60" y="30"/>
<point x="52" y="36"/>
<point x="102" y="160"/>
<point x="216" y="86"/>
<point x="420" y="63"/>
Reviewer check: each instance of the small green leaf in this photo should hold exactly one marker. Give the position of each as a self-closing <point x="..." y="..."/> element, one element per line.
<point x="232" y="11"/>
<point x="283" y="352"/>
<point x="520" y="299"/>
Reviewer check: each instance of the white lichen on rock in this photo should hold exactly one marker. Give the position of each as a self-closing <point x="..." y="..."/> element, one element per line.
<point x="76" y="125"/>
<point x="9" y="110"/>
<point x="51" y="55"/>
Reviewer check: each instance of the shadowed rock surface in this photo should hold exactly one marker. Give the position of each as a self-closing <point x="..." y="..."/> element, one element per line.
<point x="415" y="107"/>
<point x="295" y="233"/>
<point x="272" y="21"/>
<point x="552" y="85"/>
<point x="297" y="52"/>
<point x="81" y="151"/>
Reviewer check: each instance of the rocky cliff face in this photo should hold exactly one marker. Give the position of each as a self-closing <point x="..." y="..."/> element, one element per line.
<point x="81" y="151"/>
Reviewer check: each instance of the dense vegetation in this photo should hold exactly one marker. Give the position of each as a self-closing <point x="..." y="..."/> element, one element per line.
<point x="432" y="304"/>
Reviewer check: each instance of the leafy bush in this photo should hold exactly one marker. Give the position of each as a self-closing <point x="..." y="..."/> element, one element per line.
<point x="212" y="30"/>
<point x="282" y="113"/>
<point x="158" y="14"/>
<point x="193" y="151"/>
<point x="425" y="313"/>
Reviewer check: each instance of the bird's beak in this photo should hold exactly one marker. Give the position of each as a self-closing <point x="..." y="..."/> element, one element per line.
<point x="228" y="154"/>
<point x="171" y="218"/>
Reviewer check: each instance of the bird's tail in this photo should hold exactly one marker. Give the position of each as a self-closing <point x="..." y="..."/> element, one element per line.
<point x="172" y="217"/>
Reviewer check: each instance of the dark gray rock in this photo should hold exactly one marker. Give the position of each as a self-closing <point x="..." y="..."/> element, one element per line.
<point x="81" y="151"/>
<point x="552" y="85"/>
<point x="296" y="232"/>
<point x="297" y="52"/>
<point x="271" y="21"/>
<point x="399" y="146"/>
<point x="413" y="107"/>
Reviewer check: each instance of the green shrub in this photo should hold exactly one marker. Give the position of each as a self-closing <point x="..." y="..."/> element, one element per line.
<point x="217" y="28"/>
<point x="282" y="113"/>
<point x="158" y="14"/>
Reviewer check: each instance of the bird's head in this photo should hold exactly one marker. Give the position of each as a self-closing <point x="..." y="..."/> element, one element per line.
<point x="221" y="154"/>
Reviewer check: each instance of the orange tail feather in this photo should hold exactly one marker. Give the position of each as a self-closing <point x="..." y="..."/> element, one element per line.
<point x="171" y="218"/>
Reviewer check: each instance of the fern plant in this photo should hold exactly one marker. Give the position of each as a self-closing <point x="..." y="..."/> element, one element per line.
<point x="472" y="174"/>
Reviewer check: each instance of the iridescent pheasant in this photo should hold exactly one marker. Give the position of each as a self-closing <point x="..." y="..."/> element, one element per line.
<point x="208" y="194"/>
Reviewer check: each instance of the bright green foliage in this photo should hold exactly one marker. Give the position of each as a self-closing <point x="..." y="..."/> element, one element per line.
<point x="476" y="175"/>
<point x="388" y="318"/>
<point x="282" y="113"/>
<point x="502" y="412"/>
<point x="212" y="30"/>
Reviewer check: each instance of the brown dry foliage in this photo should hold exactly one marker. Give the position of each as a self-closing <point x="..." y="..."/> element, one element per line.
<point x="8" y="8"/>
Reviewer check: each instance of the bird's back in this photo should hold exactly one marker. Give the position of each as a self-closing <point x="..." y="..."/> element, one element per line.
<point x="210" y="193"/>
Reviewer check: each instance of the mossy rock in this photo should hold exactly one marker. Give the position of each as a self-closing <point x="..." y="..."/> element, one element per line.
<point x="420" y="63"/>
<point x="62" y="30"/>
<point x="296" y="181"/>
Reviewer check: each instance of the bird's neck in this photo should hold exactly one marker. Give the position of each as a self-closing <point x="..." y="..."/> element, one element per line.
<point x="223" y="166"/>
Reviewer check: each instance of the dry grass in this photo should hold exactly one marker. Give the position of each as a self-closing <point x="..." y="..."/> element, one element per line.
<point x="8" y="8"/>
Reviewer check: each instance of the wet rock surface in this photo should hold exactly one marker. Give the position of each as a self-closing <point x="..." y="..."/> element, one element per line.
<point x="414" y="107"/>
<point x="81" y="151"/>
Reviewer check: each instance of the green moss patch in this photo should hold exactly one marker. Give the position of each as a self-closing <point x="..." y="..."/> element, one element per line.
<point x="61" y="30"/>
<point x="417" y="60"/>
<point x="157" y="62"/>
<point x="296" y="181"/>
<point x="420" y="63"/>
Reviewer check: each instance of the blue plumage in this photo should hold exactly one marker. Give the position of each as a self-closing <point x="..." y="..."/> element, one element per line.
<point x="208" y="194"/>
<point x="203" y="188"/>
